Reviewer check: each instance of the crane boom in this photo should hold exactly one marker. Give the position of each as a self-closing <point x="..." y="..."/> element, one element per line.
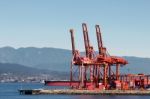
<point x="99" y="39"/>
<point x="72" y="41"/>
<point x="86" y="39"/>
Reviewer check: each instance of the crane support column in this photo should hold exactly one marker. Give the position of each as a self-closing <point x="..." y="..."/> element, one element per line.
<point x="117" y="71"/>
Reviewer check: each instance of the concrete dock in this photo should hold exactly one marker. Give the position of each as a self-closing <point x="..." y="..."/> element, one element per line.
<point x="85" y="92"/>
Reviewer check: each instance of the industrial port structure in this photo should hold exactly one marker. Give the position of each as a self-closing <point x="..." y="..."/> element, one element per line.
<point x="99" y="70"/>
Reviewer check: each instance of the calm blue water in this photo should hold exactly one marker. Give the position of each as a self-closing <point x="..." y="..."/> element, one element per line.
<point x="10" y="91"/>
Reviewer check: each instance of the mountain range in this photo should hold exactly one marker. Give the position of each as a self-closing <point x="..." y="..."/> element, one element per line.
<point x="54" y="59"/>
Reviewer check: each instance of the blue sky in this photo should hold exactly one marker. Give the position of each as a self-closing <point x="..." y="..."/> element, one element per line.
<point x="125" y="24"/>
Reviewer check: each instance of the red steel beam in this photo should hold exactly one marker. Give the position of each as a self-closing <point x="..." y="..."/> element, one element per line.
<point x="72" y="41"/>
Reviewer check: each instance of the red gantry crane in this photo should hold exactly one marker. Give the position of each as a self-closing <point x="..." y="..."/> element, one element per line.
<point x="92" y="64"/>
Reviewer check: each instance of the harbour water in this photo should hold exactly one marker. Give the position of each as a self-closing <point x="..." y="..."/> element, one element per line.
<point x="10" y="91"/>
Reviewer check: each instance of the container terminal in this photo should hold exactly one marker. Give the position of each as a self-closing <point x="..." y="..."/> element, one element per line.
<point x="97" y="72"/>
